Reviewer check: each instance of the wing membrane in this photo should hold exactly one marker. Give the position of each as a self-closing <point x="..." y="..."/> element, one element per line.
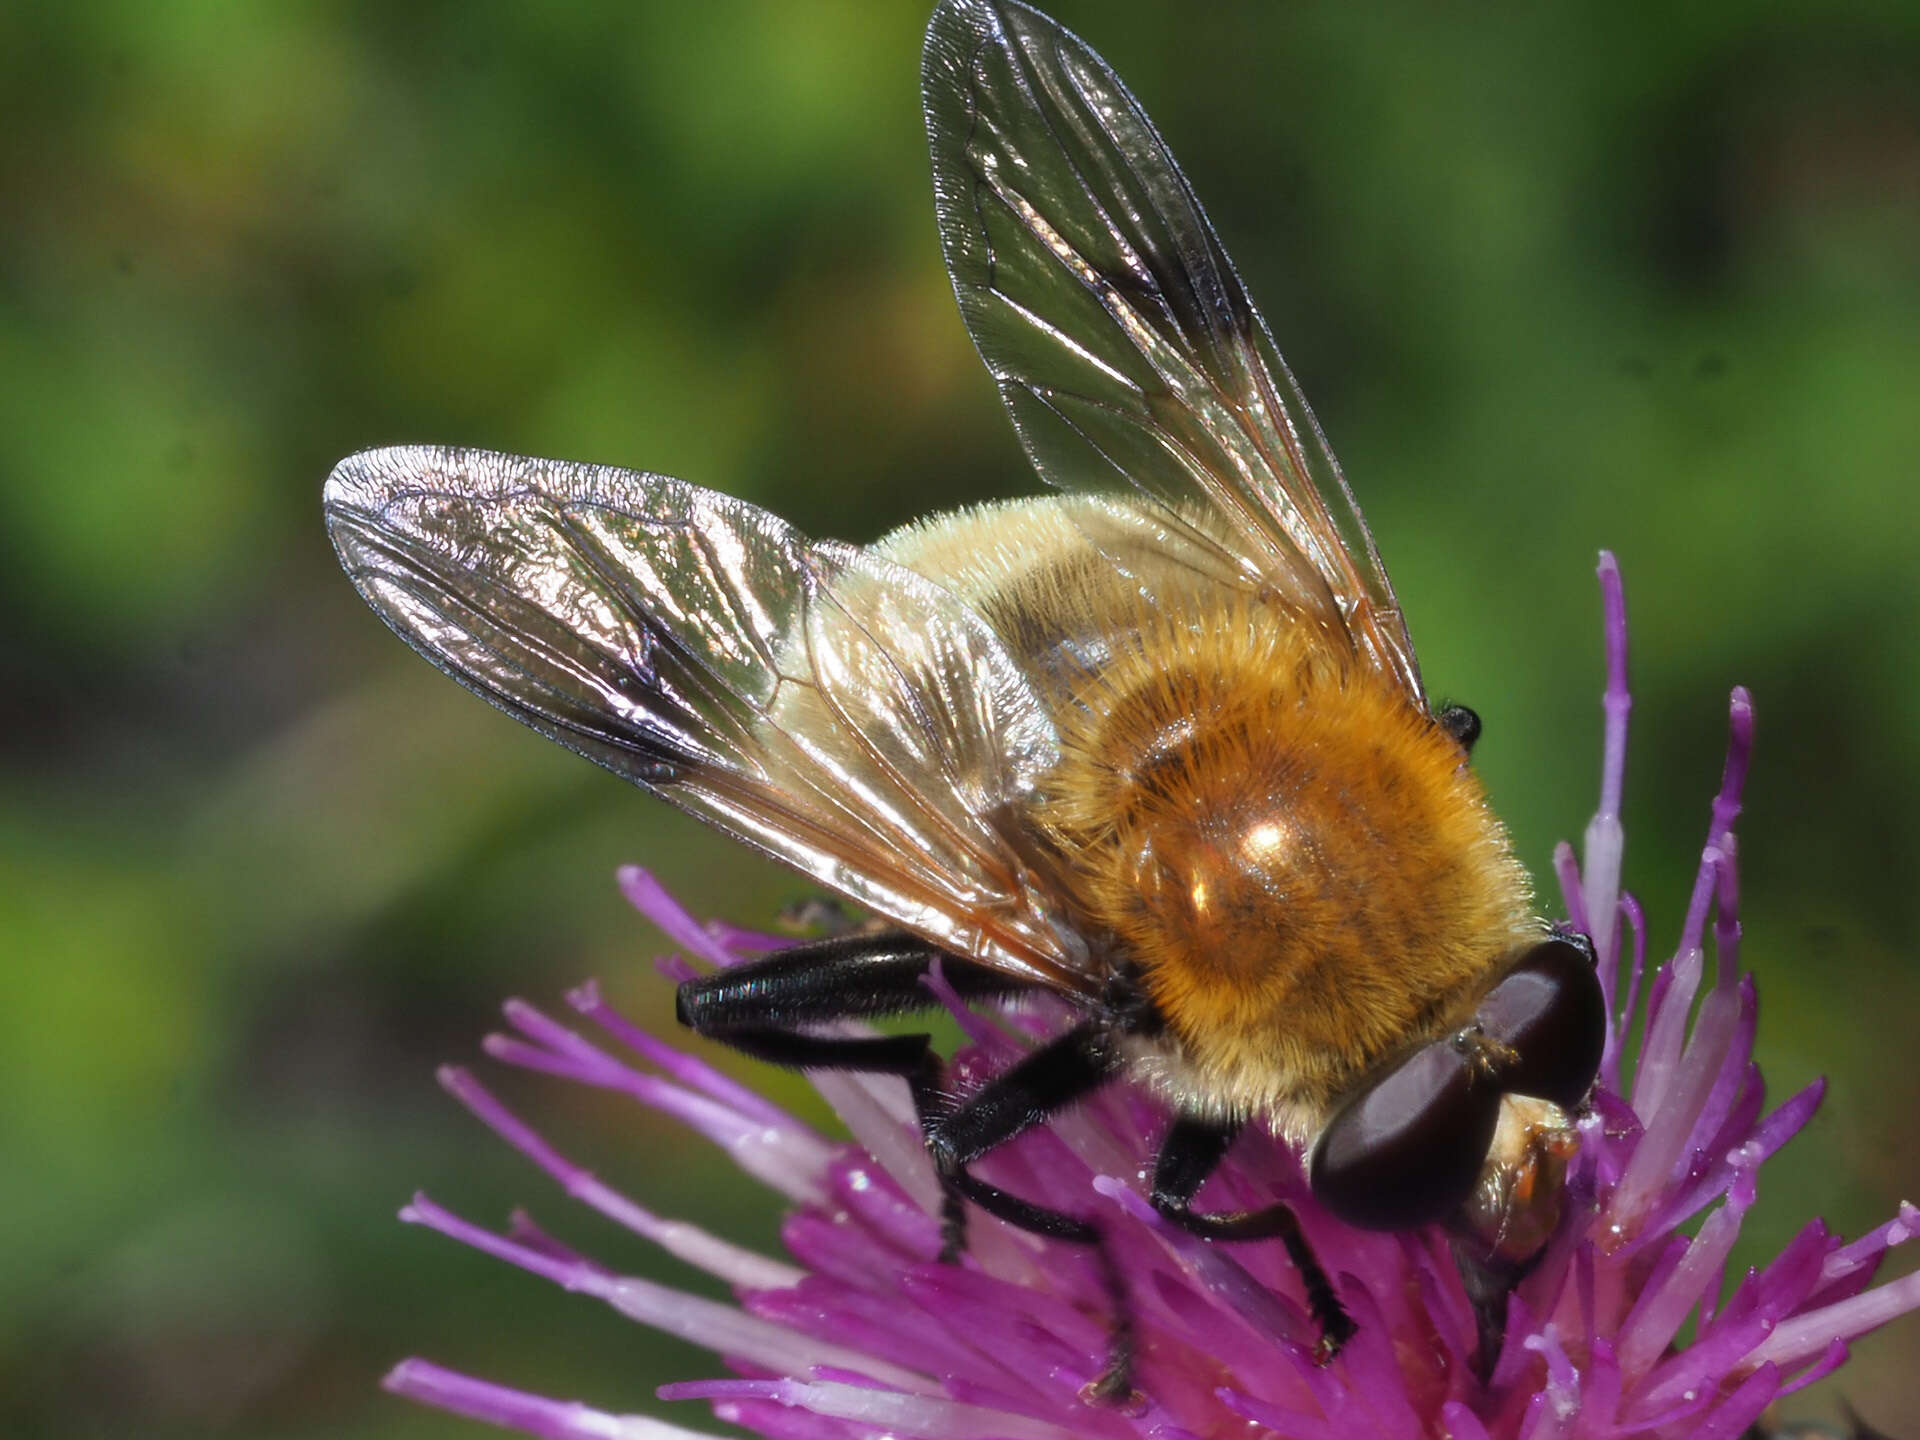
<point x="1123" y="343"/>
<point x="833" y="709"/>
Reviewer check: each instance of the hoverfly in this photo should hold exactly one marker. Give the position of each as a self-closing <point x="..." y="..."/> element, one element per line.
<point x="1157" y="743"/>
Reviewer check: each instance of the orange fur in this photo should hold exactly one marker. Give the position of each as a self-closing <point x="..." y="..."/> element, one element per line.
<point x="1297" y="859"/>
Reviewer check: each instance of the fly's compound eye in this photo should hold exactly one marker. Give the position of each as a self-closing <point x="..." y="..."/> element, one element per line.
<point x="1549" y="1012"/>
<point x="1407" y="1150"/>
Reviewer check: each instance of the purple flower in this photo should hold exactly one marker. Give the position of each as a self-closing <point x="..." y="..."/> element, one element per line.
<point x="860" y="1332"/>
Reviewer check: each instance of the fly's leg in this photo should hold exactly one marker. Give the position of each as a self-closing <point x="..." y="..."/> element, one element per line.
<point x="845" y="977"/>
<point x="754" y="1008"/>
<point x="1193" y="1150"/>
<point x="1060" y="1072"/>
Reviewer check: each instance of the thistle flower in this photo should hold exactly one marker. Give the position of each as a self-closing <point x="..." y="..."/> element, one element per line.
<point x="860" y="1332"/>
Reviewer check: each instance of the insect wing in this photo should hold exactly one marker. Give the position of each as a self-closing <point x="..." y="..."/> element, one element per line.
<point x="835" y="710"/>
<point x="1122" y="341"/>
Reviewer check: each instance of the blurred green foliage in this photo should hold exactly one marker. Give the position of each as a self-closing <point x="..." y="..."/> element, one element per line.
<point x="1556" y="276"/>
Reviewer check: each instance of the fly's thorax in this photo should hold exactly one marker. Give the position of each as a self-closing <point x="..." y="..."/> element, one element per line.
<point x="1064" y="579"/>
<point x="1291" y="856"/>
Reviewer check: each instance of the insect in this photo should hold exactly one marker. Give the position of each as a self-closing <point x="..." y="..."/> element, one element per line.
<point x="1157" y="743"/>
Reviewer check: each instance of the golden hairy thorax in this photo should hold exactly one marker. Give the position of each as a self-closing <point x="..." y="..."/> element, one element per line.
<point x="1295" y="857"/>
<point x="1290" y="855"/>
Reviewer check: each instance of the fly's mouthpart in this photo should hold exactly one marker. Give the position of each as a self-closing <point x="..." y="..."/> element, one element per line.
<point x="1517" y="1202"/>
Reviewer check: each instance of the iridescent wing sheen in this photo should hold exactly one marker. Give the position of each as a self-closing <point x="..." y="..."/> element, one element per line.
<point x="1123" y="343"/>
<point x="824" y="705"/>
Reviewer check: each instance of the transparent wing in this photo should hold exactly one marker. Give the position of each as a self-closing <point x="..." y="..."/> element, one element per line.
<point x="826" y="706"/>
<point x="1122" y="341"/>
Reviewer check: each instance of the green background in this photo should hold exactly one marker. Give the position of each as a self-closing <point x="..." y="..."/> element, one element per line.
<point x="1556" y="277"/>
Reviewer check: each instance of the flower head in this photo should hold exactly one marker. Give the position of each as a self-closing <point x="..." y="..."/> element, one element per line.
<point x="860" y="1331"/>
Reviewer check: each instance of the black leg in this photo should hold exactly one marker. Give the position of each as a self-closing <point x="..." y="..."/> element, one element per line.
<point x="753" y="1007"/>
<point x="1191" y="1152"/>
<point x="909" y="1056"/>
<point x="844" y="978"/>
<point x="1051" y="1078"/>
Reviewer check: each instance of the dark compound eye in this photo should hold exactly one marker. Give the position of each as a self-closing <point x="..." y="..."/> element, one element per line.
<point x="1407" y="1150"/>
<point x="1550" y="1011"/>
